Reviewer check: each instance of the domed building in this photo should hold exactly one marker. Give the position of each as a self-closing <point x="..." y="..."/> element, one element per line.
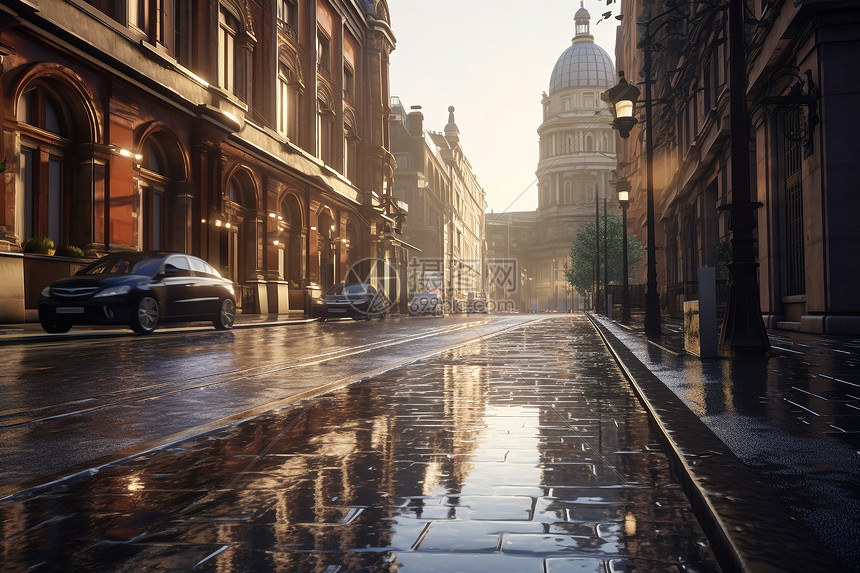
<point x="577" y="156"/>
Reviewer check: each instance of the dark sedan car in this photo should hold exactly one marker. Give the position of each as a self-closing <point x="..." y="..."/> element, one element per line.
<point x="353" y="300"/>
<point x="141" y="290"/>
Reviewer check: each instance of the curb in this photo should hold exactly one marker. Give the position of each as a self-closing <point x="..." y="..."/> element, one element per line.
<point x="749" y="528"/>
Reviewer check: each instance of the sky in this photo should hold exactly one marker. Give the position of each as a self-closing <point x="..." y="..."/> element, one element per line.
<point x="491" y="60"/>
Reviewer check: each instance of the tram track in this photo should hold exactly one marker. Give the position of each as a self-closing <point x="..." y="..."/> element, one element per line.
<point x="125" y="396"/>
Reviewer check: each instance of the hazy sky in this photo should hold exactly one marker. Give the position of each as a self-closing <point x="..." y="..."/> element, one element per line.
<point x="491" y="60"/>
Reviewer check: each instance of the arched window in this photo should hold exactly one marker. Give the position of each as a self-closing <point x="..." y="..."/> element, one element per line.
<point x="589" y="143"/>
<point x="166" y="209"/>
<point x="568" y="191"/>
<point x="54" y="187"/>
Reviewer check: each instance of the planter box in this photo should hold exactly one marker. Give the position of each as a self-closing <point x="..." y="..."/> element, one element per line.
<point x="42" y="270"/>
<point x="12" y="288"/>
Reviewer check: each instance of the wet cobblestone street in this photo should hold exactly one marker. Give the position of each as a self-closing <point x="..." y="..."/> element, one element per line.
<point x="524" y="452"/>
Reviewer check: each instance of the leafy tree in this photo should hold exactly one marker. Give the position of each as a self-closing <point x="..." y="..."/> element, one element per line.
<point x="581" y="272"/>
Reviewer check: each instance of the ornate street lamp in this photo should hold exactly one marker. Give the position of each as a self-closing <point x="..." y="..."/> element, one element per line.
<point x="623" y="187"/>
<point x="621" y="99"/>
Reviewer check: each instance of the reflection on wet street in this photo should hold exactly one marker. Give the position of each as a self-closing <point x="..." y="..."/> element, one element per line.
<point x="523" y="452"/>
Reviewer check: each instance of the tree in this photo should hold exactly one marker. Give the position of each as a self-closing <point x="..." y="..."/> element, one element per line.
<point x="581" y="272"/>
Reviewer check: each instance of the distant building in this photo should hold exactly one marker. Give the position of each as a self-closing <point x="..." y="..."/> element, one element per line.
<point x="253" y="134"/>
<point x="577" y="158"/>
<point x="445" y="206"/>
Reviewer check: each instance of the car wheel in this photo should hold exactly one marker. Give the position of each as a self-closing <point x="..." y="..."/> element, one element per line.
<point x="55" y="328"/>
<point x="144" y="319"/>
<point x="226" y="316"/>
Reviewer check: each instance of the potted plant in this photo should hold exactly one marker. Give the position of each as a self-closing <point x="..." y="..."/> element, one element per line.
<point x="39" y="246"/>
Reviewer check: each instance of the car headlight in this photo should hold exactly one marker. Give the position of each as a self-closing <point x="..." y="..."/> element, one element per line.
<point x="114" y="291"/>
<point x="46" y="292"/>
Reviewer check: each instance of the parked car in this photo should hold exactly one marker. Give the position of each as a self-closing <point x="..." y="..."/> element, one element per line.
<point x="353" y="300"/>
<point x="477" y="303"/>
<point x="141" y="290"/>
<point x="426" y="303"/>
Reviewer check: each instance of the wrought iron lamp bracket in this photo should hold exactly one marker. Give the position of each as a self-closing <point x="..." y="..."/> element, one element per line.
<point x="796" y="98"/>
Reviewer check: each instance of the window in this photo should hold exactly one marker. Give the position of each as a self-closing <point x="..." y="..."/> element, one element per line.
<point x="288" y="16"/>
<point x="794" y="240"/>
<point x="284" y="104"/>
<point x="568" y="191"/>
<point x="166" y="209"/>
<point x="588" y="101"/>
<point x="148" y="17"/>
<point x="227" y="32"/>
<point x="565" y="104"/>
<point x="323" y="54"/>
<point x="350" y="150"/>
<point x="348" y="83"/>
<point x="325" y="132"/>
<point x="182" y="32"/>
<point x="42" y="170"/>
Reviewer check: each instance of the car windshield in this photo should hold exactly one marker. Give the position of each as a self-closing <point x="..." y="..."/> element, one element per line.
<point x="349" y="288"/>
<point x="125" y="264"/>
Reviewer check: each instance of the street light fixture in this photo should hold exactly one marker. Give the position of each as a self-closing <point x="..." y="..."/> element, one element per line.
<point x="622" y="97"/>
<point x="622" y="103"/>
<point x="623" y="187"/>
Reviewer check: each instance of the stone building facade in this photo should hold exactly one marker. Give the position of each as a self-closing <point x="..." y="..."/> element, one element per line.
<point x="798" y="99"/>
<point x="253" y="134"/>
<point x="445" y="203"/>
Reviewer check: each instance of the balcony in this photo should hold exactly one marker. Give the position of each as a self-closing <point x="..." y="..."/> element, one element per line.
<point x="288" y="30"/>
<point x="323" y="71"/>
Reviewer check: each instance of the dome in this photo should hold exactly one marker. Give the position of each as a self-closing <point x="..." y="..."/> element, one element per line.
<point x="584" y="63"/>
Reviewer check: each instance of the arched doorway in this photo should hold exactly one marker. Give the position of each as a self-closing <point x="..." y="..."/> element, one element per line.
<point x="291" y="268"/>
<point x="326" y="250"/>
<point x="238" y="232"/>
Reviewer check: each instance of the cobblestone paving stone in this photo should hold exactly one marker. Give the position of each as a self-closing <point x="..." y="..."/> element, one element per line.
<point x="526" y="452"/>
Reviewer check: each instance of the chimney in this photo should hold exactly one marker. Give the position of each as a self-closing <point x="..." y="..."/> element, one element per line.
<point x="415" y="122"/>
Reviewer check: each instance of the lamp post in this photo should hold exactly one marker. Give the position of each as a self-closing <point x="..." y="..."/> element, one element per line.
<point x="622" y="101"/>
<point x="623" y="188"/>
<point x="597" y="247"/>
<point x="743" y="331"/>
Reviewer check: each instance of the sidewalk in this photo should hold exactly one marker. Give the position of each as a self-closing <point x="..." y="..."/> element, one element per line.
<point x="32" y="331"/>
<point x="792" y="417"/>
